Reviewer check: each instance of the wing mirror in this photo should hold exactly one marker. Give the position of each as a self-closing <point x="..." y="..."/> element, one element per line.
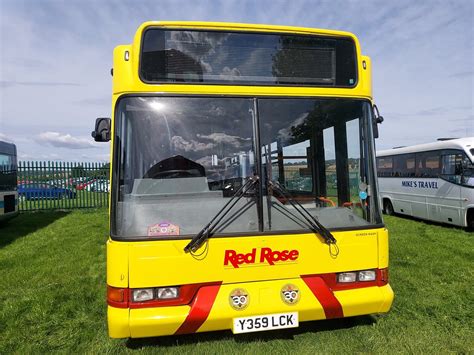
<point x="101" y="133"/>
<point x="376" y="120"/>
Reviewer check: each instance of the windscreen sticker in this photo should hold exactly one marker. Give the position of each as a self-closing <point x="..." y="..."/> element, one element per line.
<point x="163" y="228"/>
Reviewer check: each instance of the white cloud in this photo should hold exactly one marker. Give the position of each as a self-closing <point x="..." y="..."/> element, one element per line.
<point x="219" y="138"/>
<point x="285" y="133"/>
<point x="5" y="138"/>
<point x="180" y="143"/>
<point x="65" y="140"/>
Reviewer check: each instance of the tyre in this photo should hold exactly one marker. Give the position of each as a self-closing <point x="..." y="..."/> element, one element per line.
<point x="470" y="220"/>
<point x="388" y="207"/>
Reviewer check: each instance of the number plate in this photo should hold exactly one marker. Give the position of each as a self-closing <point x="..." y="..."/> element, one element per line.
<point x="265" y="322"/>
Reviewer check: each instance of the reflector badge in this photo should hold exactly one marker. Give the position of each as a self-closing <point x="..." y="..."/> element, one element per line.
<point x="163" y="228"/>
<point x="239" y="299"/>
<point x="290" y="294"/>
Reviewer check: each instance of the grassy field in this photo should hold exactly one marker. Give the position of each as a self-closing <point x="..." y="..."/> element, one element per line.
<point x="53" y="296"/>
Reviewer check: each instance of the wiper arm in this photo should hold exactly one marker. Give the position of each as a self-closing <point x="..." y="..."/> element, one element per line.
<point x="312" y="222"/>
<point x="207" y="231"/>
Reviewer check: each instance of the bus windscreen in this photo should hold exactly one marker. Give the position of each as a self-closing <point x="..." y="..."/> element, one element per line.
<point x="215" y="57"/>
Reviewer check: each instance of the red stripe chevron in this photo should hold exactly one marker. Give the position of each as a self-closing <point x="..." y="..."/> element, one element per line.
<point x="332" y="307"/>
<point x="200" y="309"/>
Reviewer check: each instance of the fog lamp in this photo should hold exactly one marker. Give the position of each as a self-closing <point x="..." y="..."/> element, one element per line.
<point x="347" y="277"/>
<point x="142" y="294"/>
<point x="166" y="293"/>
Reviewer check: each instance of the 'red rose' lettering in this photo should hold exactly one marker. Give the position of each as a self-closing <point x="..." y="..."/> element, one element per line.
<point x="267" y="255"/>
<point x="229" y="258"/>
<point x="293" y="255"/>
<point x="270" y="256"/>
<point x="250" y="257"/>
<point x="236" y="259"/>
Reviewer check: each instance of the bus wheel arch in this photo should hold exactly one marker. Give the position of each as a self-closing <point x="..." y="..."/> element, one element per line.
<point x="388" y="207"/>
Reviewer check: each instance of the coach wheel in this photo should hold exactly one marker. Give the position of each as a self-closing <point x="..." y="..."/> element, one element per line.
<point x="470" y="220"/>
<point x="388" y="208"/>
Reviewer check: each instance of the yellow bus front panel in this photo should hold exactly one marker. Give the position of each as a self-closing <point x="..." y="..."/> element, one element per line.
<point x="262" y="280"/>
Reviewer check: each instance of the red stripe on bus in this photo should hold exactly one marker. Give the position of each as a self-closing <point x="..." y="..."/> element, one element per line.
<point x="332" y="307"/>
<point x="200" y="309"/>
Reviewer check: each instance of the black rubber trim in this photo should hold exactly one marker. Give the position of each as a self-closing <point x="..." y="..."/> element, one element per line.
<point x="115" y="154"/>
<point x="356" y="82"/>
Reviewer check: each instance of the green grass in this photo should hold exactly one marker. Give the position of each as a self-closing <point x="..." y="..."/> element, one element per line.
<point x="53" y="296"/>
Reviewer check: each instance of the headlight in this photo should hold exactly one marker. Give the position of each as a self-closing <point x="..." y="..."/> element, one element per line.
<point x="166" y="293"/>
<point x="142" y="294"/>
<point x="347" y="277"/>
<point x="367" y="275"/>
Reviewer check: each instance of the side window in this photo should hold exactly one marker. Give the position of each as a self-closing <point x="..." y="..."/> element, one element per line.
<point x="451" y="167"/>
<point x="384" y="166"/>
<point x="404" y="165"/>
<point x="428" y="165"/>
<point x="410" y="165"/>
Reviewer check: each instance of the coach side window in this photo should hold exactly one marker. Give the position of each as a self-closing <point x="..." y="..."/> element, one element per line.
<point x="404" y="165"/>
<point x="451" y="167"/>
<point x="428" y="165"/>
<point x="384" y="166"/>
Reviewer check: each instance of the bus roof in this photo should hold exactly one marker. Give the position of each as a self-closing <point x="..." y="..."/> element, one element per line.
<point x="233" y="26"/>
<point x="7" y="148"/>
<point x="466" y="144"/>
<point x="127" y="60"/>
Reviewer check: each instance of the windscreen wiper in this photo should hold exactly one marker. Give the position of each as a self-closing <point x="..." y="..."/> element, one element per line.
<point x="311" y="221"/>
<point x="207" y="231"/>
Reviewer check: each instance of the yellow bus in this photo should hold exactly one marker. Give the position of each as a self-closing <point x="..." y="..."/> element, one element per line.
<point x="244" y="192"/>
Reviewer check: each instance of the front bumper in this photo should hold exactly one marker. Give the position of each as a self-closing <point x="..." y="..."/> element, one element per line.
<point x="211" y="308"/>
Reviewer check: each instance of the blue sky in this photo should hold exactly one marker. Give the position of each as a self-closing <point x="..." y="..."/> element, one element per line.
<point x="55" y="60"/>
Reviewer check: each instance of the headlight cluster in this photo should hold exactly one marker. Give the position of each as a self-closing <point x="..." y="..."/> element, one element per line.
<point x="160" y="293"/>
<point x="354" y="276"/>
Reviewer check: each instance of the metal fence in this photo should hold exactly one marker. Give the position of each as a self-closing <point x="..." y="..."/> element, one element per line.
<point x="62" y="185"/>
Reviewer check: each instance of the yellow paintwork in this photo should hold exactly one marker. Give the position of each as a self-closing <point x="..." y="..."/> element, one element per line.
<point x="368" y="300"/>
<point x="126" y="79"/>
<point x="118" y="322"/>
<point x="117" y="264"/>
<point x="383" y="248"/>
<point x="149" y="259"/>
<point x="264" y="298"/>
<point x="144" y="322"/>
<point x="164" y="263"/>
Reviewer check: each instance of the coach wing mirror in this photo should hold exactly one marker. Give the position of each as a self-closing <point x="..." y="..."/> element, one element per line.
<point x="376" y="120"/>
<point x="101" y="133"/>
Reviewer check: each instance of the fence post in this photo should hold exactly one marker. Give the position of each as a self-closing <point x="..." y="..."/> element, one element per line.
<point x="26" y="200"/>
<point x="66" y="175"/>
